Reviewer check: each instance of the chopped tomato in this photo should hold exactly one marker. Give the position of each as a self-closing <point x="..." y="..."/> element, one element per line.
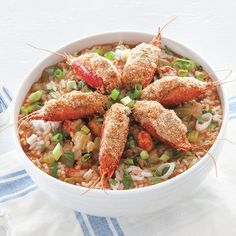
<point x="68" y="126"/>
<point x="73" y="172"/>
<point x="145" y="141"/>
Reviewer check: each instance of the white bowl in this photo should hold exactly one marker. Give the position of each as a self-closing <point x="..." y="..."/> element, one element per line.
<point x="125" y="202"/>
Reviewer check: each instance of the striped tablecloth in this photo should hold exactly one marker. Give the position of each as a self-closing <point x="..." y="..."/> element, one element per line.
<point x="25" y="210"/>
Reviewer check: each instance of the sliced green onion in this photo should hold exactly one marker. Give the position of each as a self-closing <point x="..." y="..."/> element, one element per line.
<point x="86" y="89"/>
<point x="144" y="155"/>
<point x="181" y="63"/>
<point x="200" y="75"/>
<point x="68" y="158"/>
<point x="57" y="137"/>
<point x="200" y="119"/>
<point x="30" y="108"/>
<point x="158" y="172"/>
<point x="110" y="55"/>
<point x="85" y="157"/>
<point x="113" y="181"/>
<point x="127" y="180"/>
<point x="155" y="180"/>
<point x="100" y="119"/>
<point x="167" y="51"/>
<point x="36" y="96"/>
<point x="183" y="73"/>
<point x="54" y="167"/>
<point x="71" y="84"/>
<point x="136" y="92"/>
<point x="58" y="73"/>
<point x="50" y="70"/>
<point x="99" y="52"/>
<point x="57" y="152"/>
<point x="164" y="157"/>
<point x="109" y="103"/>
<point x="129" y="161"/>
<point x="193" y="136"/>
<point x="115" y="94"/>
<point x="184" y="154"/>
<point x="126" y="100"/>
<point x="85" y="129"/>
<point x="213" y="125"/>
<point x="81" y="84"/>
<point x="131" y="142"/>
<point x="42" y="147"/>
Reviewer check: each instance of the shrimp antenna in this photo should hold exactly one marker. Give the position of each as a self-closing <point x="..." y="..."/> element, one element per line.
<point x="49" y="51"/>
<point x="91" y="186"/>
<point x="169" y="22"/>
<point x="156" y="41"/>
<point x="222" y="81"/>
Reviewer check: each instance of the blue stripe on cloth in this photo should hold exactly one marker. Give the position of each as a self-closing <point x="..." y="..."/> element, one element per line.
<point x="100" y="226"/>
<point x="19" y="194"/>
<point x="13" y="174"/>
<point x="6" y="91"/>
<point x="117" y="227"/>
<point x="13" y="186"/>
<point x="80" y="218"/>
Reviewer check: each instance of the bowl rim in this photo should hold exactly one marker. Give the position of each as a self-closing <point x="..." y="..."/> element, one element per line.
<point x="169" y="182"/>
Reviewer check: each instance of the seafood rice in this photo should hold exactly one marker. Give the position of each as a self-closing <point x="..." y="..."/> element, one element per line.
<point x="120" y="116"/>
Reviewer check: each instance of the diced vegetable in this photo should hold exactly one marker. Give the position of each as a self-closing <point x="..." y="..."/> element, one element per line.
<point x="126" y="100"/>
<point x="136" y="92"/>
<point x="181" y="63"/>
<point x="51" y="86"/>
<point x="183" y="154"/>
<point x="193" y="136"/>
<point x="30" y="108"/>
<point x="86" y="89"/>
<point x="54" y="167"/>
<point x="153" y="156"/>
<point x="68" y="158"/>
<point x="144" y="155"/>
<point x="57" y="152"/>
<point x="113" y="182"/>
<point x="71" y="84"/>
<point x="200" y="119"/>
<point x="166" y="170"/>
<point x="155" y="180"/>
<point x="167" y="51"/>
<point x="57" y="137"/>
<point x="183" y="73"/>
<point x="36" y="96"/>
<point x="48" y="158"/>
<point x="80" y="85"/>
<point x="42" y="147"/>
<point x="85" y="157"/>
<point x="127" y="180"/>
<point x="131" y="142"/>
<point x="100" y="119"/>
<point x="164" y="157"/>
<point x="115" y="94"/>
<point x="213" y="125"/>
<point x="58" y="73"/>
<point x="200" y="75"/>
<point x="110" y="55"/>
<point x="109" y="103"/>
<point x="85" y="129"/>
<point x="99" y="52"/>
<point x="145" y="140"/>
<point x="129" y="161"/>
<point x="204" y="122"/>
